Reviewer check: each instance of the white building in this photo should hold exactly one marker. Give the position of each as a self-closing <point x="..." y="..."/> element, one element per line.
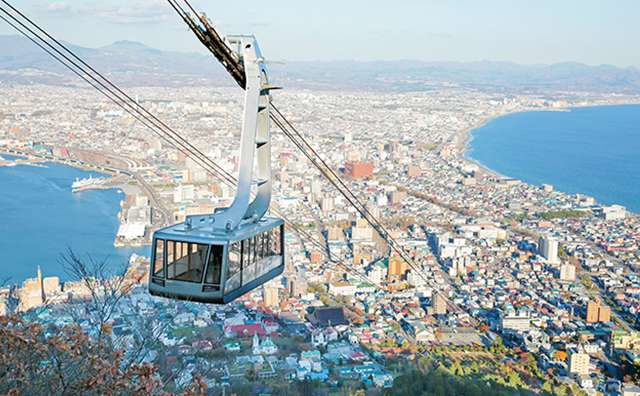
<point x="342" y="288"/>
<point x="548" y="248"/>
<point x="519" y="322"/>
<point x="567" y="272"/>
<point x="613" y="212"/>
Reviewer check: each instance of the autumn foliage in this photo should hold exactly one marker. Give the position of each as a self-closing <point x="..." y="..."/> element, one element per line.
<point x="39" y="360"/>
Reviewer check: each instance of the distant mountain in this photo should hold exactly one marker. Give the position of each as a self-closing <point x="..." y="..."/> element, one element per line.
<point x="569" y="75"/>
<point x="136" y="64"/>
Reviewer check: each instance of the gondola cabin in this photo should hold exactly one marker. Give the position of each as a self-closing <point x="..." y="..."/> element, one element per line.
<point x="199" y="265"/>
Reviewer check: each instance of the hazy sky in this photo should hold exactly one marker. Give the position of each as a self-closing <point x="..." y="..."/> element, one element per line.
<point x="520" y="31"/>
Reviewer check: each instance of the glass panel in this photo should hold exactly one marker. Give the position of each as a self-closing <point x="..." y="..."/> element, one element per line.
<point x="181" y="262"/>
<point x="263" y="253"/>
<point x="214" y="269"/>
<point x="275" y="243"/>
<point x="171" y="269"/>
<point x="158" y="263"/>
<point x="197" y="261"/>
<point x="249" y="273"/>
<point x="185" y="261"/>
<point x="233" y="267"/>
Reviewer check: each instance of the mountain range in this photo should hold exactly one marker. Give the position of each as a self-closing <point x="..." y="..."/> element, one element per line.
<point x="137" y="64"/>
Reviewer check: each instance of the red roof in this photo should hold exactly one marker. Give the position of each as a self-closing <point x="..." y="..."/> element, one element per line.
<point x="246" y="329"/>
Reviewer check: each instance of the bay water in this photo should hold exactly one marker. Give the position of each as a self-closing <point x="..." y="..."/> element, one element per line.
<point x="587" y="150"/>
<point x="41" y="219"/>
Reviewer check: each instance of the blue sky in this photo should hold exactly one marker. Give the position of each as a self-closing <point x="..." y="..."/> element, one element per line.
<point x="520" y="31"/>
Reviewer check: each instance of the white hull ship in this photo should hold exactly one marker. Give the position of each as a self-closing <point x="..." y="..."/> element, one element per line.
<point x="86" y="184"/>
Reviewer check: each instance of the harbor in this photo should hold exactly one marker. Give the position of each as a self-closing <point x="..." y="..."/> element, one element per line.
<point x="139" y="215"/>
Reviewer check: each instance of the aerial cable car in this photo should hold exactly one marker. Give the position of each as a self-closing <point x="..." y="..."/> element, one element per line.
<point x="216" y="258"/>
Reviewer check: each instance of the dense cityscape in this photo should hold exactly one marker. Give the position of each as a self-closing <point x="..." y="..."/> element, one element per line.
<point x="520" y="287"/>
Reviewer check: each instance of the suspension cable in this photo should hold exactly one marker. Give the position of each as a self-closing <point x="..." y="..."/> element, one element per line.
<point x="121" y="99"/>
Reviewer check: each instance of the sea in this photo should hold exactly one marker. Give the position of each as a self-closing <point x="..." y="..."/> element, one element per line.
<point x="41" y="221"/>
<point x="593" y="151"/>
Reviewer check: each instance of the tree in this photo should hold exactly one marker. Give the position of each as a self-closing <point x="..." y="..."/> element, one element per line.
<point x="35" y="360"/>
<point x="547" y="388"/>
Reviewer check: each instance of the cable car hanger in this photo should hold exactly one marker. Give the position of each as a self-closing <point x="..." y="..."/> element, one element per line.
<point x="218" y="257"/>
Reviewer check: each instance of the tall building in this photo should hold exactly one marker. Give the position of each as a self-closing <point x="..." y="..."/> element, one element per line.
<point x="270" y="295"/>
<point x="296" y="286"/>
<point x="567" y="272"/>
<point x="439" y="304"/>
<point x="578" y="361"/>
<point x="592" y="311"/>
<point x="604" y="314"/>
<point x="397" y="268"/>
<point x="548" y="248"/>
<point x="598" y="313"/>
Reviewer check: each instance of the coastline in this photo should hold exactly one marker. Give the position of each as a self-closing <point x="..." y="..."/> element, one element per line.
<point x="114" y="181"/>
<point x="464" y="139"/>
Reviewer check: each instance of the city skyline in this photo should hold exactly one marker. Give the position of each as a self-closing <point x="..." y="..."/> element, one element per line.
<point x="544" y="33"/>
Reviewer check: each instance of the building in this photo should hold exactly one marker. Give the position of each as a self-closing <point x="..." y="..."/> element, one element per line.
<point x="548" y="248"/>
<point x="270" y="295"/>
<point x="592" y="311"/>
<point x="567" y="272"/>
<point x="397" y="196"/>
<point x="578" y="361"/>
<point x="377" y="273"/>
<point x="598" y="313"/>
<point x="613" y="212"/>
<point x="516" y="321"/>
<point x="604" y="314"/>
<point x="342" y="288"/>
<point x="327" y="316"/>
<point x="439" y="304"/>
<point x="397" y="268"/>
<point x="266" y="346"/>
<point x="358" y="169"/>
<point x="296" y="286"/>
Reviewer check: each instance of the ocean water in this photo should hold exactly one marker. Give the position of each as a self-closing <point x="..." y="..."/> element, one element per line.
<point x="40" y="219"/>
<point x="588" y="150"/>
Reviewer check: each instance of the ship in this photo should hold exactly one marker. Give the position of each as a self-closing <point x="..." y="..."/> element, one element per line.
<point x="86" y="184"/>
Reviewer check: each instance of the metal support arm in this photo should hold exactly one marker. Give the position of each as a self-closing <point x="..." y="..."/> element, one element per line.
<point x="255" y="142"/>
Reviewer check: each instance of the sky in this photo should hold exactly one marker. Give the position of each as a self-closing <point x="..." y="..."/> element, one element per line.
<point x="520" y="31"/>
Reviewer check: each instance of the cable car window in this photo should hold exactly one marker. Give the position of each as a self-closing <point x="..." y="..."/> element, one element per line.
<point x="261" y="255"/>
<point x="188" y="261"/>
<point x="248" y="260"/>
<point x="233" y="267"/>
<point x="275" y="241"/>
<point x="214" y="269"/>
<point x="158" y="263"/>
<point x="170" y="268"/>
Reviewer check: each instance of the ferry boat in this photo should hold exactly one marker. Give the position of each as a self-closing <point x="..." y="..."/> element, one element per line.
<point x="86" y="184"/>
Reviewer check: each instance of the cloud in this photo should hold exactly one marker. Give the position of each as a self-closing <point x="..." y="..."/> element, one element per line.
<point x="136" y="12"/>
<point x="374" y="31"/>
<point x="259" y="23"/>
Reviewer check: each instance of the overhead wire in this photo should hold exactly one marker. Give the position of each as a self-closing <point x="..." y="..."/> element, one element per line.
<point x="120" y="98"/>
<point x="315" y="159"/>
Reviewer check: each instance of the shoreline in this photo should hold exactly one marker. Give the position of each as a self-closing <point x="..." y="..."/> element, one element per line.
<point x="114" y="175"/>
<point x="464" y="138"/>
